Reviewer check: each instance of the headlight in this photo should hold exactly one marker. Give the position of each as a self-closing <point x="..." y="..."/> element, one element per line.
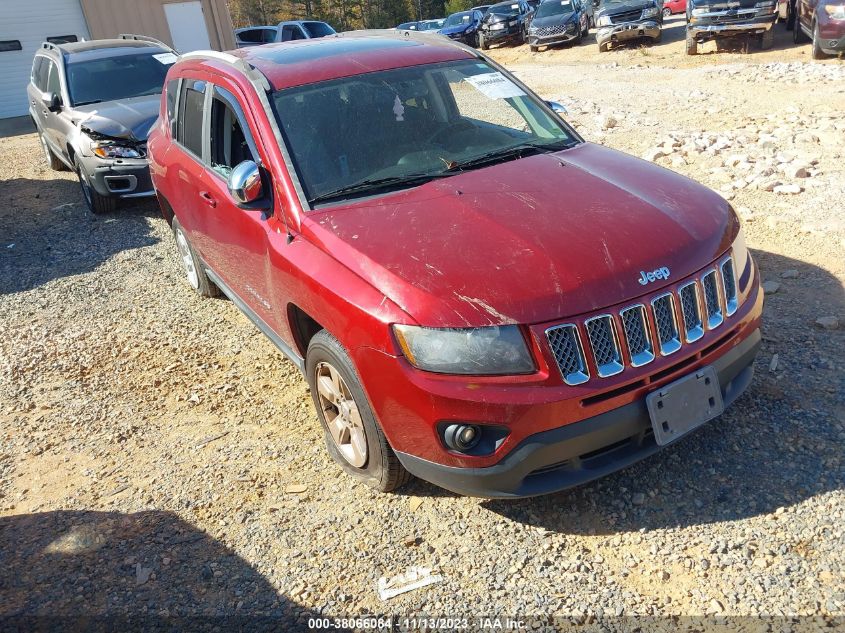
<point x="740" y="252"/>
<point x="835" y="11"/>
<point x="108" y="149"/>
<point x="474" y="351"/>
<point x="651" y="12"/>
<point x="512" y="23"/>
<point x="700" y="11"/>
<point x="604" y="20"/>
<point x="769" y="4"/>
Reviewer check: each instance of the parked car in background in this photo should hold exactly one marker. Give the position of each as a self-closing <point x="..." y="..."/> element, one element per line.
<point x="559" y="22"/>
<point x="823" y="23"/>
<point x="714" y="19"/>
<point x="422" y="25"/>
<point x="505" y="22"/>
<point x="671" y="7"/>
<point x="624" y="20"/>
<point x="282" y="32"/>
<point x="463" y="27"/>
<point x="425" y="350"/>
<point x="93" y="104"/>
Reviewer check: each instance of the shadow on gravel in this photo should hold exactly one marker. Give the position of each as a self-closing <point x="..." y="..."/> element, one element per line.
<point x="107" y="571"/>
<point x="778" y="445"/>
<point x="47" y="233"/>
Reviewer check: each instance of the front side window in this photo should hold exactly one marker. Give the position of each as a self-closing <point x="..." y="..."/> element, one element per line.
<point x="54" y="83"/>
<point x="189" y="127"/>
<point x="405" y="126"/>
<point x="292" y="32"/>
<point x="318" y="29"/>
<point x="39" y="75"/>
<point x="119" y="76"/>
<point x="229" y="145"/>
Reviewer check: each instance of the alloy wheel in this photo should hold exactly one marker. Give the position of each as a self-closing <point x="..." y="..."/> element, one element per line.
<point x="343" y="419"/>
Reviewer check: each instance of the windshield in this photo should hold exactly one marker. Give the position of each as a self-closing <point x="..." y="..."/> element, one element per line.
<point x="457" y="19"/>
<point x="416" y="123"/>
<point x="505" y="9"/>
<point x="318" y="29"/>
<point x="431" y="25"/>
<point x="554" y="7"/>
<point x="119" y="77"/>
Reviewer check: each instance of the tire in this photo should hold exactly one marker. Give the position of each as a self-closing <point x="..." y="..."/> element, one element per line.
<point x="790" y="16"/>
<point x="534" y="49"/>
<point x="578" y="38"/>
<point x="817" y="52"/>
<point x="603" y="48"/>
<point x="767" y="39"/>
<point x="356" y="442"/>
<point x="691" y="45"/>
<point x="192" y="264"/>
<point x="482" y="43"/>
<point x="95" y="202"/>
<point x="54" y="163"/>
<point x="667" y="13"/>
<point x="659" y="38"/>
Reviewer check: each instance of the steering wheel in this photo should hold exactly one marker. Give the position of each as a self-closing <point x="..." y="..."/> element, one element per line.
<point x="452" y="128"/>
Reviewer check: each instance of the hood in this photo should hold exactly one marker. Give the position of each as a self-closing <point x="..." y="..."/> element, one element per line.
<point x="614" y="8"/>
<point x="458" y="28"/>
<point x="492" y="18"/>
<point x="552" y="20"/>
<point x="531" y="240"/>
<point x="130" y="119"/>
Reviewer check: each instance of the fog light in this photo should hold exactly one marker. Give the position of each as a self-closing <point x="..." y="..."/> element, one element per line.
<point x="461" y="437"/>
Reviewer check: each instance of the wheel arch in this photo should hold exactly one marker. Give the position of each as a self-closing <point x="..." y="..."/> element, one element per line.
<point x="303" y="327"/>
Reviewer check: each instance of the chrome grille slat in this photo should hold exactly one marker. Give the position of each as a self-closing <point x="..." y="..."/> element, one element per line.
<point x="569" y="353"/>
<point x="663" y="308"/>
<point x="729" y="285"/>
<point x="601" y="331"/>
<point x="711" y="299"/>
<point x="693" y="327"/>
<point x="635" y="324"/>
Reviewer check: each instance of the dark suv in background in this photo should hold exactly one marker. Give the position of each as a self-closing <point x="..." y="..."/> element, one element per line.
<point x="282" y="32"/>
<point x="716" y="19"/>
<point x="620" y="21"/>
<point x="93" y="104"/>
<point x="505" y="22"/>
<point x="820" y="21"/>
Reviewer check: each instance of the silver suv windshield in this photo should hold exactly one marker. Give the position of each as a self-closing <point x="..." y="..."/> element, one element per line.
<point x="121" y="76"/>
<point x="395" y="129"/>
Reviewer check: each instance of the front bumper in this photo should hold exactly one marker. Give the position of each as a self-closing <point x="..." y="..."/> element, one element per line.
<point x="574" y="454"/>
<point x="508" y="34"/>
<point x="628" y="31"/>
<point x="126" y="178"/>
<point x="701" y="30"/>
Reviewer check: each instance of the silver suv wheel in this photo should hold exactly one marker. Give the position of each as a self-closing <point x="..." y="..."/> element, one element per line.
<point x="342" y="416"/>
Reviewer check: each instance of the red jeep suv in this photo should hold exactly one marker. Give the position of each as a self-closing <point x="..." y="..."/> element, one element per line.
<point x="475" y="294"/>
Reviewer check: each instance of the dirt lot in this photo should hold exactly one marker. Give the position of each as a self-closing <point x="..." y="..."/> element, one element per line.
<point x="150" y="441"/>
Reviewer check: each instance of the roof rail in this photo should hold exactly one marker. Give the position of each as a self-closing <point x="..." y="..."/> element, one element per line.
<point x="251" y="72"/>
<point x="50" y="46"/>
<point x="408" y="34"/>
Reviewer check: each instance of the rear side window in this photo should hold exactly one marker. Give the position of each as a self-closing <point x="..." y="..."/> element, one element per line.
<point x="253" y="36"/>
<point x="292" y="32"/>
<point x="172" y="95"/>
<point x="189" y="128"/>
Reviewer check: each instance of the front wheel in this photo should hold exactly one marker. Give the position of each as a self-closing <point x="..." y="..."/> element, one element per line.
<point x="798" y="36"/>
<point x="603" y="48"/>
<point x="95" y="202"/>
<point x="353" y="436"/>
<point x="482" y="43"/>
<point x="667" y="12"/>
<point x="691" y="45"/>
<point x="767" y="39"/>
<point x="534" y="49"/>
<point x="790" y="16"/>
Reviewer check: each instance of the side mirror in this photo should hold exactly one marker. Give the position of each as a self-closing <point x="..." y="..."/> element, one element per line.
<point x="245" y="183"/>
<point x="51" y="101"/>
<point x="557" y="107"/>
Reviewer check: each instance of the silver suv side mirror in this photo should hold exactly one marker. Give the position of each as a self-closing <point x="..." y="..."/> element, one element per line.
<point x="245" y="183"/>
<point x="557" y="107"/>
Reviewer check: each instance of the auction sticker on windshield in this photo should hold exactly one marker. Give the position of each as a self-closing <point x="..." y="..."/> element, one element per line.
<point x="495" y="86"/>
<point x="166" y="58"/>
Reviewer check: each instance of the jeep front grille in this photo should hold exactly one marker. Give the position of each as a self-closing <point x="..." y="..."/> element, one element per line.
<point x="635" y="324"/>
<point x="729" y="286"/>
<point x="711" y="300"/>
<point x="605" y="345"/>
<point x="637" y="333"/>
<point x="569" y="354"/>
<point x="668" y="337"/>
<point x="693" y="328"/>
<point x="628" y="16"/>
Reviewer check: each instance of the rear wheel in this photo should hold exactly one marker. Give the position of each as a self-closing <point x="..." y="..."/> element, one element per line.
<point x="667" y="12"/>
<point x="95" y="202"/>
<point x="691" y="45"/>
<point x="54" y="163"/>
<point x="817" y="52"/>
<point x="353" y="436"/>
<point x="767" y="38"/>
<point x="192" y="264"/>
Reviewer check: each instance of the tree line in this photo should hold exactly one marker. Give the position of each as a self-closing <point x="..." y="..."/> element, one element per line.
<point x="343" y="15"/>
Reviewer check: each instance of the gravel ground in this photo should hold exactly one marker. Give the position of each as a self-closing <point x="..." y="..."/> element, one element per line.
<point x="151" y="441"/>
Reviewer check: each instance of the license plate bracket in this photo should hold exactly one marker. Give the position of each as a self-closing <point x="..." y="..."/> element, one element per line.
<point x="681" y="406"/>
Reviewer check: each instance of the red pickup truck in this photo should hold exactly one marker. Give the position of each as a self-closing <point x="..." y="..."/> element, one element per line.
<point x="475" y="294"/>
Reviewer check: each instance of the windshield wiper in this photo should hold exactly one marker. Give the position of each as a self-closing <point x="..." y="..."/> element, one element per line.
<point x="85" y="103"/>
<point x="375" y="185"/>
<point x="506" y="154"/>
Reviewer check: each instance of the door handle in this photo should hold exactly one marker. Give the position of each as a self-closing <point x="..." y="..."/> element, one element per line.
<point x="208" y="199"/>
